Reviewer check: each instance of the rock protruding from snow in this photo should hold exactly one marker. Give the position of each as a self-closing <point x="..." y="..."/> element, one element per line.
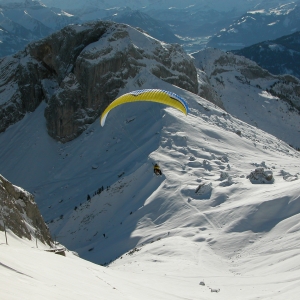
<point x="204" y="189"/>
<point x="260" y="175"/>
<point x="289" y="177"/>
<point x="21" y="214"/>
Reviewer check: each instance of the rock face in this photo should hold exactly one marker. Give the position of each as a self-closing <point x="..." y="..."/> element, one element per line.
<point x="79" y="70"/>
<point x="207" y="91"/>
<point x="20" y="213"/>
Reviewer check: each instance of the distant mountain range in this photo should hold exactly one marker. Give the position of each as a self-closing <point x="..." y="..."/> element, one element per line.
<point x="21" y="23"/>
<point x="280" y="56"/>
<point x="189" y="24"/>
<point x="258" y="25"/>
<point x="217" y="5"/>
<point x="194" y="21"/>
<point x="155" y="28"/>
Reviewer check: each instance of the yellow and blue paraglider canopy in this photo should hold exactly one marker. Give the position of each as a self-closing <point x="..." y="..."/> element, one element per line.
<point x="152" y="95"/>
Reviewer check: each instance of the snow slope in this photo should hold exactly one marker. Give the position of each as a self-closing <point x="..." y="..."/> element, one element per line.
<point x="203" y="221"/>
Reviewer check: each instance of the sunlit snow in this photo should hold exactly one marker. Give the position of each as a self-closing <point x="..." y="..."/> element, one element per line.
<point x="205" y="229"/>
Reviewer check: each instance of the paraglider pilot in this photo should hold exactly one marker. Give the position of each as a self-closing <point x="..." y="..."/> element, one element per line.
<point x="156" y="169"/>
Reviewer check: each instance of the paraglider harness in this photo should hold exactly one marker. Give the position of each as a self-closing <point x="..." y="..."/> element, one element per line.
<point x="157" y="170"/>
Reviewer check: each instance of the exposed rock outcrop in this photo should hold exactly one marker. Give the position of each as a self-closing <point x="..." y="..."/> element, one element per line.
<point x="20" y="213"/>
<point x="206" y="91"/>
<point x="260" y="175"/>
<point x="79" y="70"/>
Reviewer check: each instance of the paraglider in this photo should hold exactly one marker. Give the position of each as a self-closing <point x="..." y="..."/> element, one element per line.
<point x="152" y="95"/>
<point x="157" y="170"/>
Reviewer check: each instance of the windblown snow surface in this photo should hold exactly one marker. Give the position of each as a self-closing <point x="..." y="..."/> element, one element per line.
<point x="202" y="230"/>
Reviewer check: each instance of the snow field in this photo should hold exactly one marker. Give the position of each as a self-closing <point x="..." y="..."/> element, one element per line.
<point x="202" y="220"/>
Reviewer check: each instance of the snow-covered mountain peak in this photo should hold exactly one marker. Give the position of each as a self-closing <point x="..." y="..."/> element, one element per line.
<point x="84" y="67"/>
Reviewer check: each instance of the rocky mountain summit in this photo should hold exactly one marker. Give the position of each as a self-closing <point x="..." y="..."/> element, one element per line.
<point x="20" y="214"/>
<point x="79" y="70"/>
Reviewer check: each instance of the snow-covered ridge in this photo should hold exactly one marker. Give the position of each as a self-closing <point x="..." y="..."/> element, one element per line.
<point x="252" y="94"/>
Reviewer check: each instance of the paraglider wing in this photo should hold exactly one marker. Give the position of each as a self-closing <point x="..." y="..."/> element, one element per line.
<point x="152" y="95"/>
